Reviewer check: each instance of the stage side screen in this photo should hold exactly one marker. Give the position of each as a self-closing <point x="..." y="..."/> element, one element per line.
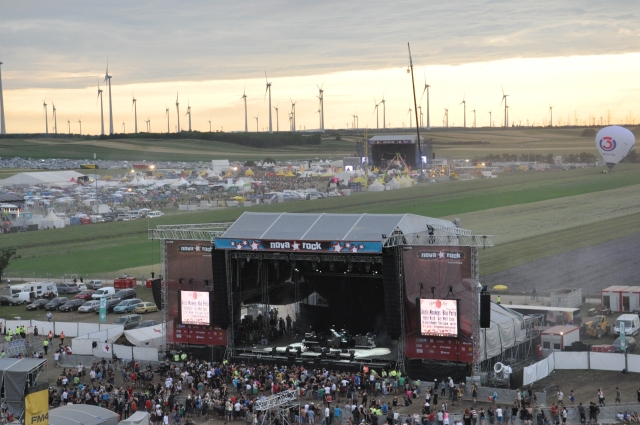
<point x="194" y="308"/>
<point x="189" y="271"/>
<point x="447" y="272"/>
<point x="438" y="317"/>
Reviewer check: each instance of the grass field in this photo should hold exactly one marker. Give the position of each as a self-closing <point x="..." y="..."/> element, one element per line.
<point x="525" y="141"/>
<point x="520" y="209"/>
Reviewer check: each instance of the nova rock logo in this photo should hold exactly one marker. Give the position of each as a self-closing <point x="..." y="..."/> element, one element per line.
<point x="608" y="144"/>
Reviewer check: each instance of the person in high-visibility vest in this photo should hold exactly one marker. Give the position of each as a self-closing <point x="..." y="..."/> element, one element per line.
<point x="183" y="357"/>
<point x="45" y="344"/>
<point x="499" y="299"/>
<point x="176" y="357"/>
<point x="3" y="354"/>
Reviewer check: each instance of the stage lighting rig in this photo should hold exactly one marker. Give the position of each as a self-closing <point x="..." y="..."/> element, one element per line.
<point x="450" y="293"/>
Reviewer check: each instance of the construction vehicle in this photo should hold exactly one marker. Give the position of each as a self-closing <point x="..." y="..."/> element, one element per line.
<point x="596" y="327"/>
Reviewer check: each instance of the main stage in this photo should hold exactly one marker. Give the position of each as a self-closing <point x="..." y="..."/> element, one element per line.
<point x="355" y="282"/>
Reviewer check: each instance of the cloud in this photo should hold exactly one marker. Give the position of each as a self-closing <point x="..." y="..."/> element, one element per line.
<point x="151" y="41"/>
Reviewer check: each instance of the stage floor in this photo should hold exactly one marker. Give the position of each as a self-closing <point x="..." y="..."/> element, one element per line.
<point x="380" y="353"/>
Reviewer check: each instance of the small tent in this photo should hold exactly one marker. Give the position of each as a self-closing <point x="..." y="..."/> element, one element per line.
<point x="150" y="336"/>
<point x="376" y="186"/>
<point x="138" y="418"/>
<point x="52" y="221"/>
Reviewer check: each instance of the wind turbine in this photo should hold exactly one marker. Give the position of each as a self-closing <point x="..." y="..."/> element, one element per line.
<point x="107" y="79"/>
<point x="551" y="112"/>
<point x="101" y="109"/>
<point x="490" y="125"/>
<point x="189" y="113"/>
<point x="474" y="117"/>
<point x="319" y="118"/>
<point x="134" y="105"/>
<point x="376" y="111"/>
<point x="321" y="99"/>
<point x="3" y="129"/>
<point x="178" y="112"/>
<point x="244" y="96"/>
<point x="209" y="124"/>
<point x="464" y="103"/>
<point x="384" y="112"/>
<point x="80" y="122"/>
<point x="124" y="128"/>
<point x="46" y="117"/>
<point x="410" y="122"/>
<point x="256" y="117"/>
<point x="167" y="114"/>
<point x="421" y="117"/>
<point x="68" y="126"/>
<point x="504" y="99"/>
<point x="293" y="114"/>
<point x="265" y="94"/>
<point x="55" y="119"/>
<point x="148" y="121"/>
<point x="277" y="119"/>
<point x="426" y="89"/>
<point x="446" y="116"/>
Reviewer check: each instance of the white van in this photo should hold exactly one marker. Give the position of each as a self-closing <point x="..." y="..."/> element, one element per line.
<point x="123" y="217"/>
<point x="154" y="214"/>
<point x="631" y="324"/>
<point x="108" y="291"/>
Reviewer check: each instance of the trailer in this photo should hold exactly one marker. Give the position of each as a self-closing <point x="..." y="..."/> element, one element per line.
<point x="124" y="282"/>
<point x="558" y="337"/>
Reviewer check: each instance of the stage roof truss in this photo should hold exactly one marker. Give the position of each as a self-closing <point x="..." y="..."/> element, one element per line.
<point x="475" y="241"/>
<point x="307" y="257"/>
<point x="280" y="400"/>
<point x="206" y="232"/>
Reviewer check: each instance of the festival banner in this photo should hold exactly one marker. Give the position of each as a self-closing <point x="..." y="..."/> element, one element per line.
<point x="36" y="402"/>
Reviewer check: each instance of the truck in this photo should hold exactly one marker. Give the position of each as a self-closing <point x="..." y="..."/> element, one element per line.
<point x="124" y="282"/>
<point x="34" y="290"/>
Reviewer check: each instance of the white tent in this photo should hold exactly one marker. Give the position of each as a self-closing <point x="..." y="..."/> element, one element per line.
<point x="51" y="221"/>
<point x="138" y="418"/>
<point x="392" y="185"/>
<point x="220" y="165"/>
<point x="507" y="330"/>
<point x="41" y="177"/>
<point x="150" y="336"/>
<point x="376" y="186"/>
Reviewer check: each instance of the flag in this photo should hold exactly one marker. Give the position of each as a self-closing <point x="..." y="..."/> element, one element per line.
<point x="107" y="348"/>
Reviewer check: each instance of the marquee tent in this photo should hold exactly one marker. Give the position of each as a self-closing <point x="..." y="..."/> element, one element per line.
<point x="150" y="336"/>
<point x="41" y="177"/>
<point x="82" y="414"/>
<point x="507" y="330"/>
<point x="52" y="221"/>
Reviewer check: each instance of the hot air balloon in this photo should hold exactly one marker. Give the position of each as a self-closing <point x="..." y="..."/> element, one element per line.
<point x="614" y="143"/>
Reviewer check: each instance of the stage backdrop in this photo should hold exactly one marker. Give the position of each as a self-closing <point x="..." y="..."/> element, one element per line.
<point x="191" y="262"/>
<point x="442" y="268"/>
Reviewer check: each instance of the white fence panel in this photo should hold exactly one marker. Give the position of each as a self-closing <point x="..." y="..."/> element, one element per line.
<point x="542" y="369"/>
<point x="145" y="354"/>
<point x="70" y="329"/>
<point x="607" y="361"/>
<point x="123" y="351"/>
<point x="82" y="346"/>
<point x="633" y="362"/>
<point x="13" y="324"/>
<point x="571" y="360"/>
<point x="87" y="328"/>
<point x="529" y="375"/>
<point x="551" y="361"/>
<point x="43" y="327"/>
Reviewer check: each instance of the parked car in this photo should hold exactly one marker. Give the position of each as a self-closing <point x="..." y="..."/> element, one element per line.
<point x="89" y="306"/>
<point x="111" y="303"/>
<point x="145" y="308"/>
<point x="85" y="295"/>
<point x="71" y="305"/>
<point x="129" y="321"/>
<point x="154" y="214"/>
<point x="125" y="294"/>
<point x="6" y="301"/>
<point x="94" y="284"/>
<point x="146" y="324"/>
<point x="67" y="288"/>
<point x="631" y="344"/>
<point x="55" y="303"/>
<point x="37" y="304"/>
<point x="127" y="306"/>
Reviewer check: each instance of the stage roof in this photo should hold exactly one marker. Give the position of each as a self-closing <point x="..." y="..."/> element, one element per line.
<point x="328" y="227"/>
<point x="82" y="414"/>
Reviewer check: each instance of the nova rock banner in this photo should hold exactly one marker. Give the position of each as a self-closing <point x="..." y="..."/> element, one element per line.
<point x="36" y="402"/>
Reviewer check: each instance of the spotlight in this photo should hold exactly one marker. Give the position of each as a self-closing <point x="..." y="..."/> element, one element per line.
<point x="349" y="266"/>
<point x="206" y="282"/>
<point x="180" y="281"/>
<point x="450" y="293"/>
<point x="384" y="236"/>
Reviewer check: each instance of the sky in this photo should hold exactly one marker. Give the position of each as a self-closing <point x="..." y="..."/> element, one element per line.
<point x="580" y="57"/>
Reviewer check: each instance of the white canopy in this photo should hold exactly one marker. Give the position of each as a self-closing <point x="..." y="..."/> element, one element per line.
<point x="138" y="418"/>
<point x="51" y="221"/>
<point x="150" y="336"/>
<point x="376" y="186"/>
